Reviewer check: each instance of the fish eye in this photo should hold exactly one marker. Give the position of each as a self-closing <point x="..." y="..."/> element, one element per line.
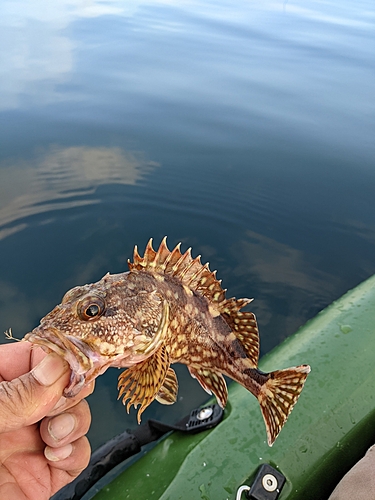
<point x="90" y="308"/>
<point x="93" y="310"/>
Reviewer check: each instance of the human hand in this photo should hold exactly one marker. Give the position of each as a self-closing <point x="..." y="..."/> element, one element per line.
<point x="42" y="434"/>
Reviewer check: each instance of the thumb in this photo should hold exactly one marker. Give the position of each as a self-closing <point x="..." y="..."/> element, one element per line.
<point x="28" y="398"/>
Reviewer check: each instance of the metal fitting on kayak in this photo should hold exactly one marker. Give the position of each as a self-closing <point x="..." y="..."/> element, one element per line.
<point x="267" y="485"/>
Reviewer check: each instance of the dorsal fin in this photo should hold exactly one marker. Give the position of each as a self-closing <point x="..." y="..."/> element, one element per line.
<point x="191" y="272"/>
<point x="245" y="328"/>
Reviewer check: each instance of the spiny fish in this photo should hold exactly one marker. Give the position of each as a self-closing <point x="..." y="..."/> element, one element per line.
<point x="168" y="308"/>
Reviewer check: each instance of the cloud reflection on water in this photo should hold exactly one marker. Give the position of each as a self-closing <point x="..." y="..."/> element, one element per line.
<point x="59" y="178"/>
<point x="38" y="47"/>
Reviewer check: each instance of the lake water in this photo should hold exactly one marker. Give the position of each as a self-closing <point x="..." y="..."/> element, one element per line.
<point x="243" y="129"/>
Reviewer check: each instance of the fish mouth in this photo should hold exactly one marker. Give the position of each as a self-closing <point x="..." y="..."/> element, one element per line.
<point x="82" y="359"/>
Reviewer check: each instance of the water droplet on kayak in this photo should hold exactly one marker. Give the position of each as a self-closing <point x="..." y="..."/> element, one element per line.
<point x="346" y="328"/>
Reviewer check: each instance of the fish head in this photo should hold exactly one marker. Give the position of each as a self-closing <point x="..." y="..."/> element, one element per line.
<point x="109" y="323"/>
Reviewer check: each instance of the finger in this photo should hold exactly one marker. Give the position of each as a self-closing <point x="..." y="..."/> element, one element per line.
<point x="66" y="403"/>
<point x="28" y="398"/>
<point x="72" y="457"/>
<point x="36" y="355"/>
<point x="67" y="427"/>
<point x="28" y="355"/>
<point x="20" y="351"/>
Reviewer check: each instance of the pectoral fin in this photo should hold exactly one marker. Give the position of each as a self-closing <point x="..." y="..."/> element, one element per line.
<point x="140" y="384"/>
<point x="212" y="383"/>
<point x="167" y="394"/>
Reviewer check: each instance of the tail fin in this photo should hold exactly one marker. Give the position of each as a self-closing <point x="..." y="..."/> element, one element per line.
<point x="278" y="396"/>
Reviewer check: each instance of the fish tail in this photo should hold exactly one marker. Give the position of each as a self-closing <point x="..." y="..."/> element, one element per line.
<point x="278" y="395"/>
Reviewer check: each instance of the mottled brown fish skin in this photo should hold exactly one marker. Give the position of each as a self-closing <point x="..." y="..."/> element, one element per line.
<point x="169" y="308"/>
<point x="196" y="336"/>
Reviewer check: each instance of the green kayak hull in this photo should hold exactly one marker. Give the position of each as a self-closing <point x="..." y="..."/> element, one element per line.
<point x="330" y="428"/>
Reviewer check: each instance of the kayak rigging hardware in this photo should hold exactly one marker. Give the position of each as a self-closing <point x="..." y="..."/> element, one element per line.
<point x="130" y="442"/>
<point x="266" y="486"/>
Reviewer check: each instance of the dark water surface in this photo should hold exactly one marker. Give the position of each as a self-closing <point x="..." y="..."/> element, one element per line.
<point x="243" y="129"/>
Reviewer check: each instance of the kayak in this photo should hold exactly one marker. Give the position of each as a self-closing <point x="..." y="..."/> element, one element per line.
<point x="329" y="430"/>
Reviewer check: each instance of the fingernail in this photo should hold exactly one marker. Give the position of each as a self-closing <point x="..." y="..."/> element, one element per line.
<point x="56" y="454"/>
<point x="49" y="370"/>
<point x="61" y="426"/>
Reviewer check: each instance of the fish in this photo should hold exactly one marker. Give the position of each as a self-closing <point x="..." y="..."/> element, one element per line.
<point x="167" y="308"/>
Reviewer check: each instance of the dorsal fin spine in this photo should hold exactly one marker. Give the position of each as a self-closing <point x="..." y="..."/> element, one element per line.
<point x="173" y="257"/>
<point x="195" y="277"/>
<point x="162" y="254"/>
<point x="150" y="254"/>
<point x="185" y="271"/>
<point x="137" y="260"/>
<point x="191" y="272"/>
<point x="178" y="268"/>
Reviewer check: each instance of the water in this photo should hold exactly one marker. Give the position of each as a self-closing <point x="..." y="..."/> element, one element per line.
<point x="243" y="129"/>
